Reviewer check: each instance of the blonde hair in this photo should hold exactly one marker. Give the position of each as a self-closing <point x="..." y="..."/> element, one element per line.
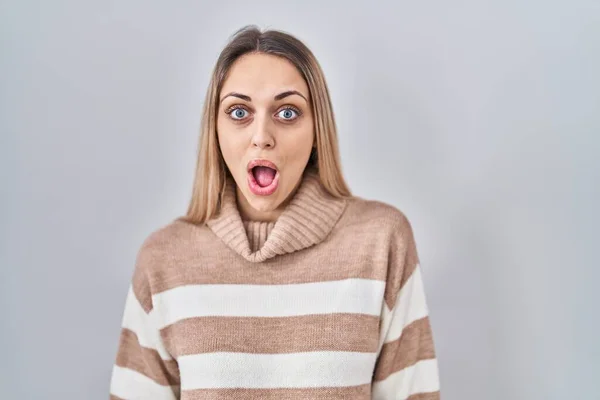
<point x="211" y="170"/>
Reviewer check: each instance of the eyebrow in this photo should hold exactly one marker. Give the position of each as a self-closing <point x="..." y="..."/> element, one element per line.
<point x="277" y="97"/>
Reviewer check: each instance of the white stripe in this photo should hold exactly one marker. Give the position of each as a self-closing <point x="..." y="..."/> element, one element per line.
<point x="421" y="377"/>
<point x="293" y="370"/>
<point x="143" y="325"/>
<point x="129" y="384"/>
<point x="410" y="306"/>
<point x="360" y="296"/>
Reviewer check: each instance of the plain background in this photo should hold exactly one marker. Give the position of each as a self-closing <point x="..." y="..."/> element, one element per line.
<point x="479" y="119"/>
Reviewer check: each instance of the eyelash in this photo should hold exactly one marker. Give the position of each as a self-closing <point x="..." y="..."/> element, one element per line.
<point x="238" y="106"/>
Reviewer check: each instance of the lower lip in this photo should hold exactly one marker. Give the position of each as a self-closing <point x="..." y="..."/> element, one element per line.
<point x="262" y="191"/>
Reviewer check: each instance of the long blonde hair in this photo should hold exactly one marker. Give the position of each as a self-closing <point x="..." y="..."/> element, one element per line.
<point x="211" y="170"/>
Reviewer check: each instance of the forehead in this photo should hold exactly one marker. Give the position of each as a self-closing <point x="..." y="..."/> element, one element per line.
<point x="262" y="76"/>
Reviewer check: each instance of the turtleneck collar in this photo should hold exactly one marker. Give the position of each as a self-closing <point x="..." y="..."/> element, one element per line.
<point x="307" y="219"/>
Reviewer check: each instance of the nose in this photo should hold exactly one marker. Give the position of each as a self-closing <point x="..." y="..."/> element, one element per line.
<point x="262" y="136"/>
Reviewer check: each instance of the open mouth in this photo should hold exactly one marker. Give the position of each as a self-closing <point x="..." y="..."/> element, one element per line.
<point x="263" y="177"/>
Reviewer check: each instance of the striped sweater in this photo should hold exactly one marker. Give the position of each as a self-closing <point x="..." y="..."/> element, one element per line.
<point x="325" y="303"/>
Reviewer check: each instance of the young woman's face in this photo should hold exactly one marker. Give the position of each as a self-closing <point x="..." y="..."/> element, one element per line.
<point x="265" y="114"/>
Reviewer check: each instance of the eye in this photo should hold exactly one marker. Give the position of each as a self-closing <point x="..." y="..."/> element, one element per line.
<point x="288" y="113"/>
<point x="237" y="113"/>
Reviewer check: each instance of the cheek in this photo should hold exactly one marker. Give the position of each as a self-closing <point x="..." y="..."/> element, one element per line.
<point x="232" y="149"/>
<point x="302" y="140"/>
<point x="225" y="145"/>
<point x="226" y="139"/>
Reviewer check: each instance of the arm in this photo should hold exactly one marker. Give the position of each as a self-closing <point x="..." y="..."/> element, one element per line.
<point x="407" y="367"/>
<point x="143" y="368"/>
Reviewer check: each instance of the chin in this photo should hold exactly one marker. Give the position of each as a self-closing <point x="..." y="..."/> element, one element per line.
<point x="264" y="205"/>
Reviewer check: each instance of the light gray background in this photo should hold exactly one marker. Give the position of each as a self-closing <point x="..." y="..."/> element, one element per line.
<point x="479" y="119"/>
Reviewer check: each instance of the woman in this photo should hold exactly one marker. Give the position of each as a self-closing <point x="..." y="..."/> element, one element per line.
<point x="278" y="283"/>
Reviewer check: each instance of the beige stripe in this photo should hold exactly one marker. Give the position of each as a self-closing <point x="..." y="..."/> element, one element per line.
<point x="186" y="264"/>
<point x="335" y="332"/>
<point x="139" y="282"/>
<point x="357" y="249"/>
<point x="216" y="268"/>
<point x="415" y="344"/>
<point x="362" y="392"/>
<point x="403" y="260"/>
<point x="113" y="397"/>
<point x="145" y="361"/>
<point x="425" y="396"/>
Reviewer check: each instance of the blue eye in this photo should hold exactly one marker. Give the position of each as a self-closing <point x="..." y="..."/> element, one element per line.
<point x="287" y="114"/>
<point x="238" y="113"/>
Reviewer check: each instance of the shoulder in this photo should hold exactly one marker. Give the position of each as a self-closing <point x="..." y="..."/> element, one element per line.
<point x="163" y="249"/>
<point x="388" y="231"/>
<point x="167" y="236"/>
<point x="152" y="259"/>
<point x="377" y="214"/>
<point x="176" y="238"/>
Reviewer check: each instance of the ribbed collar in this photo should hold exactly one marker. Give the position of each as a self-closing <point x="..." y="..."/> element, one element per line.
<point x="308" y="218"/>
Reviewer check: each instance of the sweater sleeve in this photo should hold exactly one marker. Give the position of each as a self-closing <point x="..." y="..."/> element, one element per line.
<point x="406" y="367"/>
<point x="143" y="368"/>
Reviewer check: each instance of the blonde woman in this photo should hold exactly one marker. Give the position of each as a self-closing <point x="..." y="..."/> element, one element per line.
<point x="278" y="283"/>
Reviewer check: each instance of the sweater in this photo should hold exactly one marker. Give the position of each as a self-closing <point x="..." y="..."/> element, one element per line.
<point x="327" y="302"/>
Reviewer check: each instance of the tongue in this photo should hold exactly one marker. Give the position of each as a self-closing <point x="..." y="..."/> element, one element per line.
<point x="264" y="175"/>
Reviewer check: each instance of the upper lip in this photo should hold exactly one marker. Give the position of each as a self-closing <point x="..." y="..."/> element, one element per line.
<point x="262" y="163"/>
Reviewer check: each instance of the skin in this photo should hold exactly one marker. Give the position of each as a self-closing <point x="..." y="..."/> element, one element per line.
<point x="261" y="126"/>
